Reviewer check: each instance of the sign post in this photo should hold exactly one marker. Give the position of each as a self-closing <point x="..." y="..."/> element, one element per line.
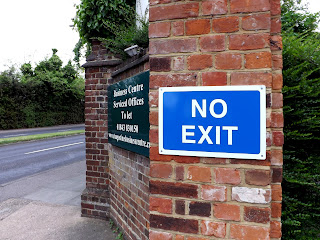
<point x="223" y="122"/>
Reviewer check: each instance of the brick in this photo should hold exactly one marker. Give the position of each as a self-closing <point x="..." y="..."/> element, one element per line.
<point x="238" y="6"/>
<point x="277" y="100"/>
<point x="277" y="63"/>
<point x="178" y="11"/>
<point x="200" y="209"/>
<point x="214" y="78"/>
<point x="161" y="29"/>
<point x="251" y="162"/>
<point x="180" y="207"/>
<point x="215" y="43"/>
<point x="179" y="237"/>
<point x="178" y="63"/>
<point x="225" y="25"/>
<point x="178" y="28"/>
<point x="162" y="64"/>
<point x="276" y="43"/>
<point x="169" y="80"/>
<point x="153" y="98"/>
<point x="277" y="138"/>
<point x="226" y="212"/>
<point x="199" y="174"/>
<point x="277" y="175"/>
<point x="275" y="7"/>
<point x="197" y="238"/>
<point x="275" y="25"/>
<point x="276" y="210"/>
<point x="197" y="27"/>
<point x="154" y="235"/>
<point x="227" y="176"/>
<point x="213" y="193"/>
<point x="258" y="177"/>
<point x="174" y="224"/>
<point x="155" y="2"/>
<point x="277" y="81"/>
<point x="179" y="173"/>
<point x="173" y="46"/>
<point x="276" y="191"/>
<point x="214" y="7"/>
<point x="153" y="118"/>
<point x="153" y="136"/>
<point x="258" y="60"/>
<point x="199" y="62"/>
<point x="174" y="189"/>
<point x="160" y="170"/>
<point x="277" y="119"/>
<point x="206" y="160"/>
<point x="216" y="229"/>
<point x="251" y="195"/>
<point x="275" y="229"/>
<point x="258" y="215"/>
<point x="161" y="205"/>
<point x="243" y="232"/>
<point x="249" y="41"/>
<point x="251" y="78"/>
<point x="228" y="61"/>
<point x="256" y="22"/>
<point x="186" y="159"/>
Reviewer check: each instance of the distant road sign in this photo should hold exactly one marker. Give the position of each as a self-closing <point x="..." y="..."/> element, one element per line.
<point x="223" y="122"/>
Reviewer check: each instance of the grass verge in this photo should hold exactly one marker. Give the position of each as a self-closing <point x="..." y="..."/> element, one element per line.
<point x="38" y="136"/>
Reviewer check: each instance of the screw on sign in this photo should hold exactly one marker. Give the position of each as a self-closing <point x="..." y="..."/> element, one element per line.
<point x="225" y="122"/>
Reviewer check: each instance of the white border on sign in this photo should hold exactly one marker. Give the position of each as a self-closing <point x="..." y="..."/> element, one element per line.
<point x="260" y="88"/>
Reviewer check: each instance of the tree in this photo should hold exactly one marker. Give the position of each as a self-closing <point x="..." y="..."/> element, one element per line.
<point x="49" y="94"/>
<point x="301" y="184"/>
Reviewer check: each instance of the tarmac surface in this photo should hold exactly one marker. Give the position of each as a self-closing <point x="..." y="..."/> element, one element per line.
<point x="46" y="206"/>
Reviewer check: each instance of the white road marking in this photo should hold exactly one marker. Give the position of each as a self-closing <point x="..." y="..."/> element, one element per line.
<point x="16" y="135"/>
<point x="65" y="130"/>
<point x="42" y="150"/>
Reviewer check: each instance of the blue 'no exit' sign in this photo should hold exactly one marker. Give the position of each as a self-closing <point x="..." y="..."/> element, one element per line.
<point x="223" y="122"/>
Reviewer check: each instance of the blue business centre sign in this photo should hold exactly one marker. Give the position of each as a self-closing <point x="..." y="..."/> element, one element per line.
<point x="224" y="122"/>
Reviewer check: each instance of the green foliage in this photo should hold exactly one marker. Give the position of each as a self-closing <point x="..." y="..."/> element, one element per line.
<point x="296" y="17"/>
<point x="91" y="15"/>
<point x="301" y="184"/>
<point x="126" y="36"/>
<point x="49" y="94"/>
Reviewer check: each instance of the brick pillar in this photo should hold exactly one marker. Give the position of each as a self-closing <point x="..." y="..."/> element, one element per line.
<point x="212" y="43"/>
<point x="95" y="198"/>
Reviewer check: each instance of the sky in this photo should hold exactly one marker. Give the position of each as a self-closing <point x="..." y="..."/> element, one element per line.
<point x="31" y="28"/>
<point x="314" y="5"/>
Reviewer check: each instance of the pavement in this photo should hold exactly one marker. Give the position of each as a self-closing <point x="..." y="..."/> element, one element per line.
<point x="46" y="206"/>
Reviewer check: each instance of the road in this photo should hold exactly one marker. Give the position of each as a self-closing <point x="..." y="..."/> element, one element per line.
<point x="33" y="131"/>
<point x="28" y="158"/>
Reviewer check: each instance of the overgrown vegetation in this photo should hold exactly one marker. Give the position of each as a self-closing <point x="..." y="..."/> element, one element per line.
<point x="301" y="184"/>
<point x="49" y="94"/>
<point x="91" y="16"/>
<point x="136" y="33"/>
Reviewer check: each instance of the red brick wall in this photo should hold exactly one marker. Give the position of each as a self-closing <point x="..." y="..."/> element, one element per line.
<point x="212" y="43"/>
<point x="117" y="181"/>
<point x="129" y="174"/>
<point x="129" y="192"/>
<point x="95" y="198"/>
